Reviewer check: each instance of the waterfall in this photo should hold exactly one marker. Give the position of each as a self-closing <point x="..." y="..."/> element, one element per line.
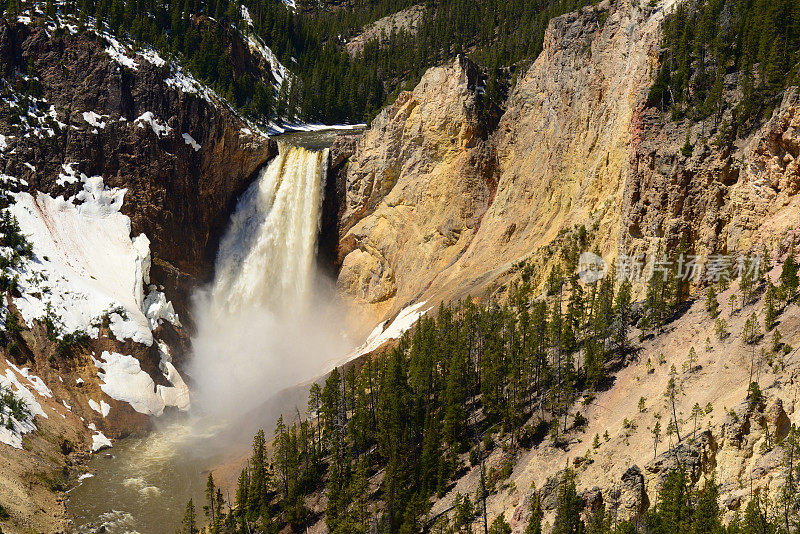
<point x="262" y="325"/>
<point x="267" y="255"/>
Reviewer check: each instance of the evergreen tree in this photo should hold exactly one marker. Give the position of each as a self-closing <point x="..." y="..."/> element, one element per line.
<point x="671" y="395"/>
<point x="706" y="518"/>
<point x="537" y="514"/>
<point x="568" y="511"/>
<point x="190" y="520"/>
<point x="712" y="305"/>
<point x="789" y="277"/>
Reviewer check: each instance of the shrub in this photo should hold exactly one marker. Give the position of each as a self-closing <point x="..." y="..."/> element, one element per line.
<point x="580" y="420"/>
<point x="506" y="470"/>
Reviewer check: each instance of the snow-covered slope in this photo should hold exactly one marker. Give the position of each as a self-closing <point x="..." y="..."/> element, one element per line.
<point x="87" y="268"/>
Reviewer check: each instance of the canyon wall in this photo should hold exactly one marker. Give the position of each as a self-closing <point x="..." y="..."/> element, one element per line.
<point x="437" y="202"/>
<point x="180" y="190"/>
<point x="559" y="156"/>
<point x="578" y="144"/>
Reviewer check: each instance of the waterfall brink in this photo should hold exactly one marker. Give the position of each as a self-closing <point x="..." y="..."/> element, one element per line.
<point x="267" y="255"/>
<point x="266" y="323"/>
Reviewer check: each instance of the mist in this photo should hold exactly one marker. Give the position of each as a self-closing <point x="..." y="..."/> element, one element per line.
<point x="242" y="360"/>
<point x="269" y="320"/>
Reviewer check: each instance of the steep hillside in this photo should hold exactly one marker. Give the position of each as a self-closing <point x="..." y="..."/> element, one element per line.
<point x="559" y="156"/>
<point x="120" y="171"/>
<point x="576" y="145"/>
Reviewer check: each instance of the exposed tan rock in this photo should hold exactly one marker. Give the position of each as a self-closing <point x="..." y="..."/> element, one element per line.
<point x="463" y="210"/>
<point x="407" y="20"/>
<point x="415" y="188"/>
<point x="725" y="199"/>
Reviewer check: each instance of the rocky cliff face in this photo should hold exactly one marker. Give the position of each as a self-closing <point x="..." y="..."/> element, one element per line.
<point x="429" y="213"/>
<point x="180" y="189"/>
<point x="415" y="188"/>
<point x="559" y="156"/>
<point x="725" y="198"/>
<point x="576" y="145"/>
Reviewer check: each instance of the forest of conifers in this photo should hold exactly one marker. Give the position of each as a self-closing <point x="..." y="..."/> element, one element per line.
<point x="473" y="378"/>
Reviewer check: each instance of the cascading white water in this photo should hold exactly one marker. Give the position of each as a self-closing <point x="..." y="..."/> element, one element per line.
<point x="267" y="254"/>
<point x="262" y="326"/>
<point x="267" y="322"/>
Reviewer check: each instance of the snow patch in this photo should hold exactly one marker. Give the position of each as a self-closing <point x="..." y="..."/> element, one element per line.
<point x="189" y="140"/>
<point x="279" y="72"/>
<point x="23" y="385"/>
<point x="124" y="380"/>
<point x="86" y="266"/>
<point x="278" y="129"/>
<point x="159" y="128"/>
<point x="95" y="119"/>
<point x="117" y="53"/>
<point x="37" y="383"/>
<point x="100" y="442"/>
<point x="246" y="16"/>
<point x="151" y="56"/>
<point x="178" y="394"/>
<point x="380" y="335"/>
<point x="68" y="175"/>
<point x="103" y="408"/>
<point x="157" y="308"/>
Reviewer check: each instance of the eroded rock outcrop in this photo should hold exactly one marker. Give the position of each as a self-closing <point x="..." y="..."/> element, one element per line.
<point x="463" y="209"/>
<point x="415" y="188"/>
<point x="725" y="198"/>
<point x="182" y="156"/>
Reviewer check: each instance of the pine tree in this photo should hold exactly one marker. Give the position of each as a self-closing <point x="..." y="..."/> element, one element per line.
<point x="464" y="514"/>
<point x="673" y="508"/>
<point x="568" y="511"/>
<point x="622" y="313"/>
<point x="770" y="313"/>
<point x="597" y="522"/>
<point x="789" y="277"/>
<point x="190" y="520"/>
<point x="257" y="490"/>
<point x="500" y="525"/>
<point x="537" y="514"/>
<point x="211" y="508"/>
<point x="706" y="517"/>
<point x="656" y="432"/>
<point x="671" y="395"/>
<point x="712" y="305"/>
